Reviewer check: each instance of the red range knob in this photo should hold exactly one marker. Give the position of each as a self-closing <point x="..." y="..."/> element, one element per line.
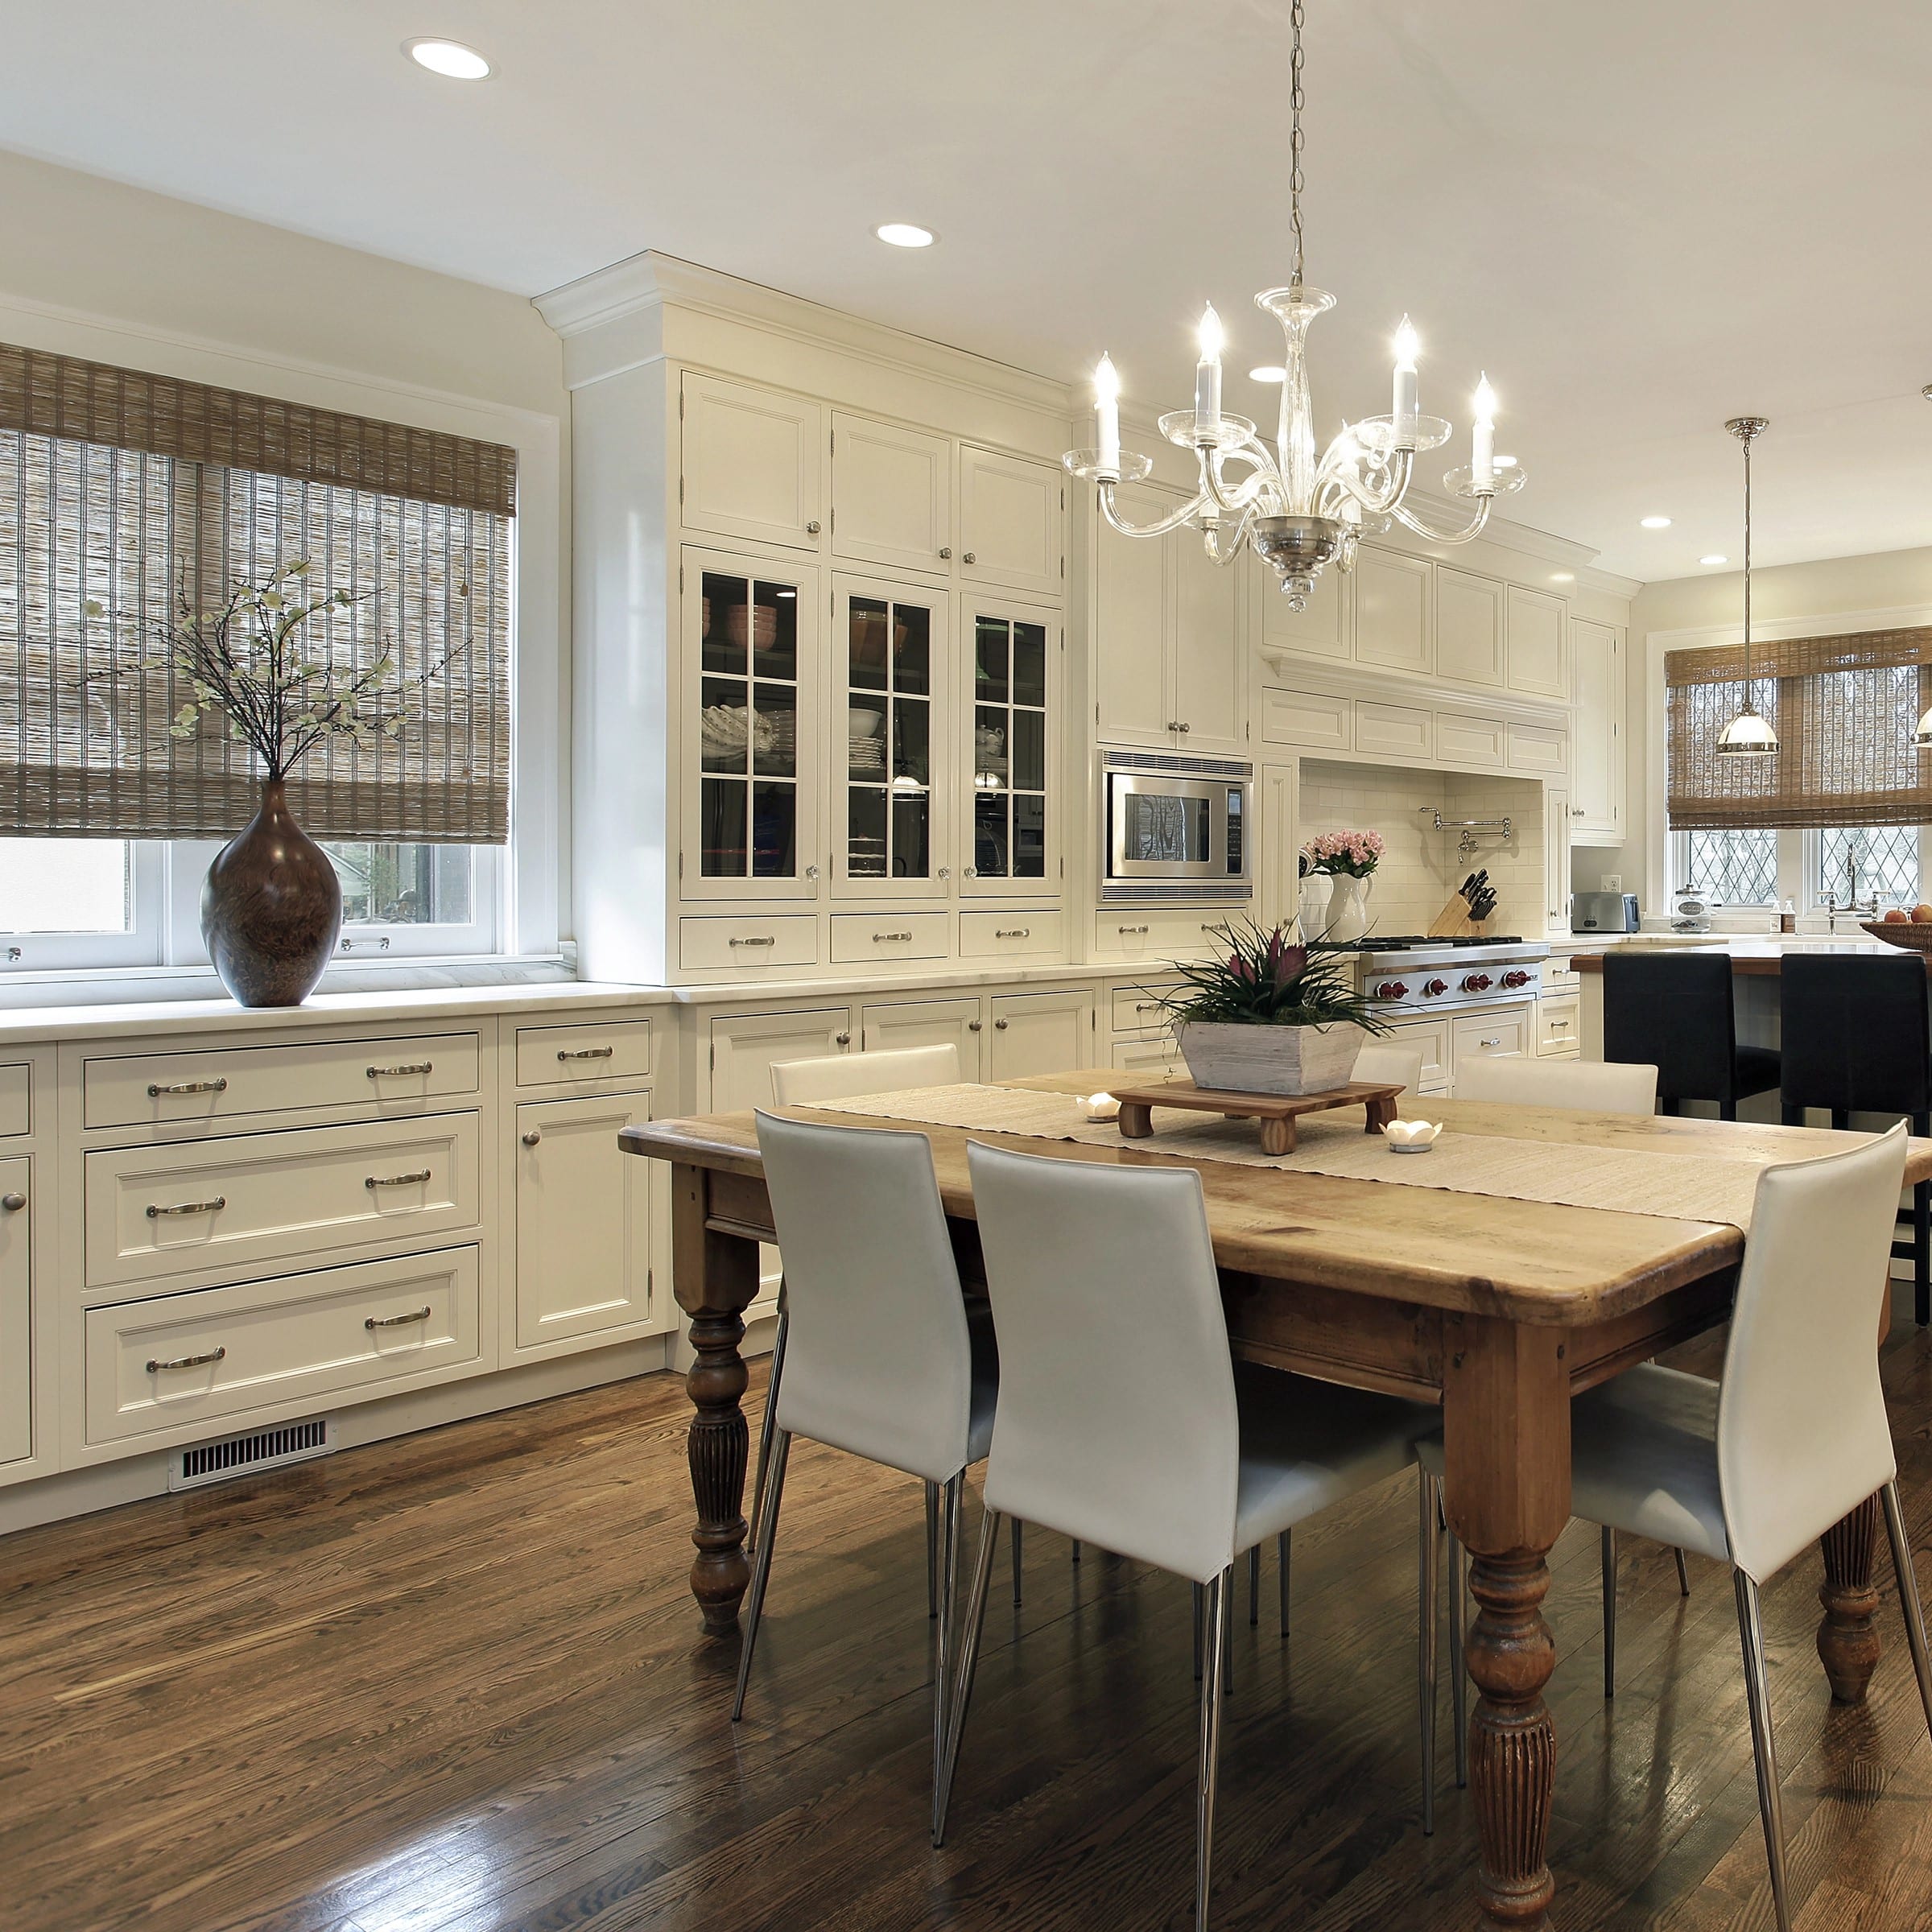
<point x="1515" y="979"/>
<point x="1476" y="982"/>
<point x="1432" y="987"/>
<point x="1391" y="990"/>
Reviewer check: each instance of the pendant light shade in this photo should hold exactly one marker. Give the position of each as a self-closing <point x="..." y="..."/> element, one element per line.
<point x="1748" y="736"/>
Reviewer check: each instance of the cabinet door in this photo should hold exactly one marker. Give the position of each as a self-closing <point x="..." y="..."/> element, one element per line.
<point x="1041" y="1032"/>
<point x="891" y="1023"/>
<point x="744" y="1046"/>
<point x="1012" y="522"/>
<point x="16" y="1314"/>
<point x="1394" y="610"/>
<point x="1146" y="1056"/>
<point x="751" y="818"/>
<point x="583" y="1219"/>
<point x="752" y="463"/>
<point x="1325" y="629"/>
<point x="1596" y="755"/>
<point x="890" y="733"/>
<point x="891" y="494"/>
<point x="1468" y="627"/>
<point x="1556" y="855"/>
<point x="1010" y="800"/>
<point x="1536" y="630"/>
<point x="1133" y="597"/>
<point x="1207" y="654"/>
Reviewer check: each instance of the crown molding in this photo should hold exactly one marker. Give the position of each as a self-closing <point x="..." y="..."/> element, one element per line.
<point x="1836" y="624"/>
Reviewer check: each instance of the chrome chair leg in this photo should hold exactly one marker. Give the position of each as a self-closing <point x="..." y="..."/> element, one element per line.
<point x="1254" y="1586"/>
<point x="1016" y="1562"/>
<point x="1751" y="1634"/>
<point x="1908" y="1596"/>
<point x="1219" y="1593"/>
<point x="932" y="1549"/>
<point x="1608" y="1560"/>
<point x="767" y="1423"/>
<point x="1458" y="1671"/>
<point x="1429" y="1558"/>
<point x="1282" y="1546"/>
<point x="949" y="1579"/>
<point x="761" y="1568"/>
<point x="1683" y="1575"/>
<point x="962" y="1691"/>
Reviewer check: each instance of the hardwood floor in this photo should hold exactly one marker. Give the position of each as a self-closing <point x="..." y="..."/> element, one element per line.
<point x="456" y="1682"/>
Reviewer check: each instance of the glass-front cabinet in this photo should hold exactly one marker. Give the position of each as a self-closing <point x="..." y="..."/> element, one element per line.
<point x="1012" y="672"/>
<point x="889" y="740"/>
<point x="749" y="729"/>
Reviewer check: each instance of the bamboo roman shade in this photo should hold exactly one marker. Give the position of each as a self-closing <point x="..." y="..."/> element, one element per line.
<point x="1844" y="709"/>
<point x="120" y="489"/>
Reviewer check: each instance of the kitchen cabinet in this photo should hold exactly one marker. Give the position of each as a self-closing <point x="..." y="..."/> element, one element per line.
<point x="1147" y="1056"/>
<point x="1394" y="610"/>
<point x="1394" y="731"/>
<point x="749" y="727"/>
<point x="1556" y="855"/>
<point x="1429" y="1038"/>
<point x="744" y="1046"/>
<point x="1597" y="752"/>
<point x="751" y="463"/>
<point x="1209" y="672"/>
<point x="1009" y="802"/>
<point x="16" y="1311"/>
<point x="1505" y="1033"/>
<point x="1041" y="1032"/>
<point x="1013" y="520"/>
<point x="891" y="495"/>
<point x="1536" y="630"/>
<point x="583" y="1219"/>
<point x="1325" y="629"/>
<point x="1468" y="627"/>
<point x="900" y="1023"/>
<point x="1557" y="1028"/>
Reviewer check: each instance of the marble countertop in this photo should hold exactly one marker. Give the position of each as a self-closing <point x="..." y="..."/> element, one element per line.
<point x="1750" y="952"/>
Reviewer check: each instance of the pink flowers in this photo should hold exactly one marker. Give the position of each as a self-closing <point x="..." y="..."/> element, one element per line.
<point x="1357" y="853"/>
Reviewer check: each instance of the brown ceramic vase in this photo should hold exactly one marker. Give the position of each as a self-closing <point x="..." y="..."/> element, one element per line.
<point x="272" y="908"/>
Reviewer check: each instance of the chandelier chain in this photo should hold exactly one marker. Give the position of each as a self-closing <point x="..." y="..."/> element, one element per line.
<point x="1294" y="141"/>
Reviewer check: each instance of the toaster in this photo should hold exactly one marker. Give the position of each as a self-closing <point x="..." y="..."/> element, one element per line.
<point x="1603" y="912"/>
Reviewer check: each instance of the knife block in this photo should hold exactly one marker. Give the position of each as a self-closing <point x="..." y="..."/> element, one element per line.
<point x="1454" y="923"/>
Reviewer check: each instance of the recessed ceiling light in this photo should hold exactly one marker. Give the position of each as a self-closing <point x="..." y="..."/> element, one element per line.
<point x="1268" y="372"/>
<point x="1655" y="522"/>
<point x="1714" y="558"/>
<point x="450" y="58"/>
<point x="905" y="234"/>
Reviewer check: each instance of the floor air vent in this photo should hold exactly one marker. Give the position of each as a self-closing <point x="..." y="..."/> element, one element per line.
<point x="243" y="1455"/>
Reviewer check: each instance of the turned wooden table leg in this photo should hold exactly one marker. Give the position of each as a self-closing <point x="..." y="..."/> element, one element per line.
<point x="1847" y="1638"/>
<point x="1506" y="1425"/>
<point x="1137" y="1121"/>
<point x="1277" y="1136"/>
<point x="715" y="1277"/>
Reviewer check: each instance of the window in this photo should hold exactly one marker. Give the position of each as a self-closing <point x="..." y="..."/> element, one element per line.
<point x="1760" y="868"/>
<point x="1729" y="867"/>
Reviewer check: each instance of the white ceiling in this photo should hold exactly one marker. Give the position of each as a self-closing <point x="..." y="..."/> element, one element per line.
<point x="1640" y="218"/>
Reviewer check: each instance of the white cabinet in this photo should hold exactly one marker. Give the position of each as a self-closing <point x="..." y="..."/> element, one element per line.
<point x="1209" y="665"/>
<point x="1325" y="629"/>
<point x="1010" y="801"/>
<point x="1536" y="629"/>
<point x="898" y="1023"/>
<point x="16" y="1312"/>
<point x="1556" y="855"/>
<point x="1147" y="1056"/>
<point x="1013" y="518"/>
<point x="891" y="494"/>
<point x="1504" y="1033"/>
<point x="1429" y="1038"/>
<point x="1597" y="750"/>
<point x="1557" y="1028"/>
<point x="744" y="1047"/>
<point x="1394" y="610"/>
<point x="751" y="462"/>
<point x="1041" y="1032"/>
<point x="1468" y="627"/>
<point x="583" y="1208"/>
<point x="1394" y="731"/>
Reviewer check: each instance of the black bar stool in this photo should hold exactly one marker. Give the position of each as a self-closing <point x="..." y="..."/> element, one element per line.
<point x="1858" y="1039"/>
<point x="1677" y="1013"/>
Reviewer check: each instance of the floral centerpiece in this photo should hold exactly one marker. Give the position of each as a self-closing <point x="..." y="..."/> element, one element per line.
<point x="1348" y="858"/>
<point x="1275" y="1014"/>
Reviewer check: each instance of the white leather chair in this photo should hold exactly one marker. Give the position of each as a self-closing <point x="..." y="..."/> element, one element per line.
<point x="882" y="1362"/>
<point x="1122" y="1419"/>
<point x="1381" y="1061"/>
<point x="1589" y="1086"/>
<point x="1751" y="1471"/>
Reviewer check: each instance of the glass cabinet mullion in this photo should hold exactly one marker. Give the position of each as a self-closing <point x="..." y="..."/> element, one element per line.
<point x="892" y="651"/>
<point x="1013" y="717"/>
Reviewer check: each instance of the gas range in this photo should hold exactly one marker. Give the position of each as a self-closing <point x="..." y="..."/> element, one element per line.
<point x="1413" y="973"/>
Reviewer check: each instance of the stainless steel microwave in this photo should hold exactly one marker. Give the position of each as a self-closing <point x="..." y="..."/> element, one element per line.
<point x="1175" y="827"/>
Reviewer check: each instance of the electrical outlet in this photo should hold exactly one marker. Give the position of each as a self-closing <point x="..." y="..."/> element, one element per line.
<point x="1613" y="881"/>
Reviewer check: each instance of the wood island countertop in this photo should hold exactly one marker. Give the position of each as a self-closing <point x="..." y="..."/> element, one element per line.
<point x="1758" y="955"/>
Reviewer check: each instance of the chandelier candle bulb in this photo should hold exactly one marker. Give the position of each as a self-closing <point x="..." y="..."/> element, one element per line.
<point x="1207" y="375"/>
<point x="1107" y="413"/>
<point x="1406" y="404"/>
<point x="1483" y="460"/>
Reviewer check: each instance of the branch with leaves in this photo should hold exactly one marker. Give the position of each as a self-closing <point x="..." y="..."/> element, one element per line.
<point x="1269" y="979"/>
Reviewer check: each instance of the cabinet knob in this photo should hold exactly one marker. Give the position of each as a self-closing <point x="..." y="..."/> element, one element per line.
<point x="844" y="1039"/>
<point x="1183" y="726"/>
<point x="531" y="1138"/>
<point x="811" y="528"/>
<point x="999" y="1025"/>
<point x="972" y="872"/>
<point x="974" y="1025"/>
<point x="811" y="872"/>
<point x="946" y="553"/>
<point x="945" y="871"/>
<point x="12" y="1203"/>
<point x="1576" y="812"/>
<point x="969" y="557"/>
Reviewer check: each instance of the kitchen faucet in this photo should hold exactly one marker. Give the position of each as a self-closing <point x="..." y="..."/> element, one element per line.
<point x="1869" y="908"/>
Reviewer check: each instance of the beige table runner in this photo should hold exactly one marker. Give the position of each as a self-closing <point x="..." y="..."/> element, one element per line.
<point x="1706" y="1186"/>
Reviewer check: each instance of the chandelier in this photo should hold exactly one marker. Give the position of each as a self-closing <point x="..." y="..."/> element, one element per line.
<point x="1748" y="735"/>
<point x="1300" y="510"/>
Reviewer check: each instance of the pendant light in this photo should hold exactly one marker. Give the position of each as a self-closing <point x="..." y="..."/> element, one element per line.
<point x="1747" y="736"/>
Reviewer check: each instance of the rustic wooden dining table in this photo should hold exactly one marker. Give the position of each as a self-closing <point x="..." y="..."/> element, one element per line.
<point x="1500" y="1309"/>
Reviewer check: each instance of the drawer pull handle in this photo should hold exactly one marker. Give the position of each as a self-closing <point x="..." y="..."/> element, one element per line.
<point x="1124" y="929"/>
<point x="397" y="1180"/>
<point x="1148" y="1006"/>
<point x="1557" y="1025"/>
<point x="1012" y="932"/>
<point x="882" y="939"/>
<point x="188" y="1361"/>
<point x="768" y="941"/>
<point x="395" y="1321"/>
<point x="155" y="1092"/>
<point x="1492" y="1043"/>
<point x="386" y="1073"/>
<point x="585" y="1052"/>
<point x="157" y="1214"/>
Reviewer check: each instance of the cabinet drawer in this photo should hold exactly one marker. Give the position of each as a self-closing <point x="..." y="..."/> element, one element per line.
<point x="1556" y="1024"/>
<point x="1148" y="1056"/>
<point x="132" y="1090"/>
<point x="16" y="1098"/>
<point x="1493" y="1036"/>
<point x="1312" y="718"/>
<point x="1559" y="976"/>
<point x="1397" y="731"/>
<point x="154" y="1211"/>
<point x="1139" y="1008"/>
<point x="1462" y="738"/>
<point x="1539" y="748"/>
<point x="184" y="1361"/>
<point x="1430" y="1038"/>
<point x="603" y="1049"/>
<point x="887" y="935"/>
<point x="1141" y="934"/>
<point x="709" y="945"/>
<point x="1014" y="935"/>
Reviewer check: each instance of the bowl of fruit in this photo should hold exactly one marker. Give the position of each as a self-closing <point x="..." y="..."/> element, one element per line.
<point x="1912" y="930"/>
